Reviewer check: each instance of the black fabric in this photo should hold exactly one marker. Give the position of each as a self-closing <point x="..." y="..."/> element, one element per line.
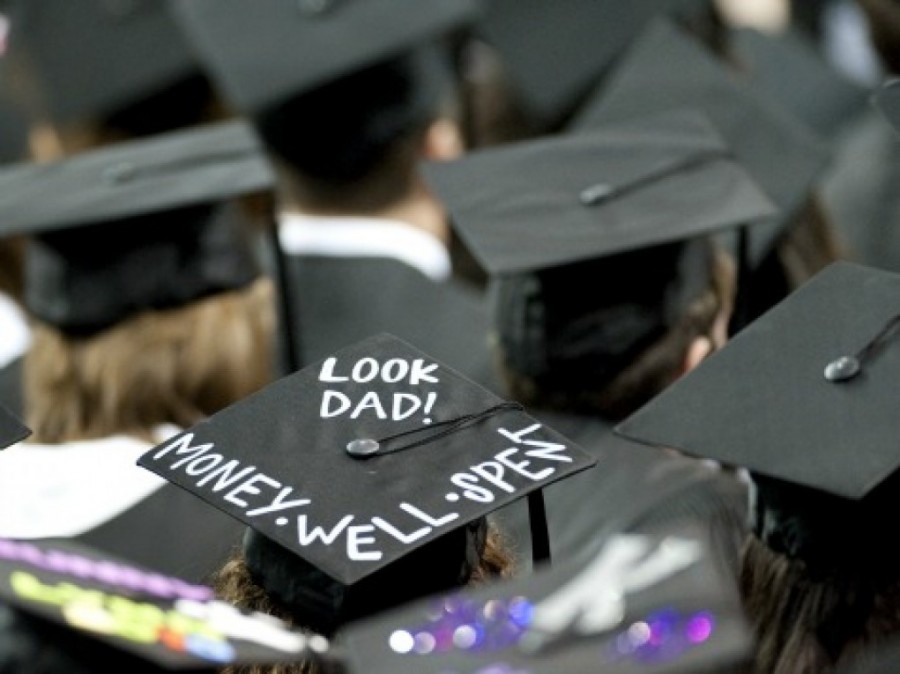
<point x="84" y="280"/>
<point x="12" y="429"/>
<point x="320" y="603"/>
<point x="11" y="395"/>
<point x="342" y="300"/>
<point x="666" y="69"/>
<point x="93" y="58"/>
<point x="172" y="532"/>
<point x="339" y="132"/>
<point x="632" y="488"/>
<point x="264" y="54"/>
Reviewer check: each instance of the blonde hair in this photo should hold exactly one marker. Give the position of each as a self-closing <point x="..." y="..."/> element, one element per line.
<point x="168" y="366"/>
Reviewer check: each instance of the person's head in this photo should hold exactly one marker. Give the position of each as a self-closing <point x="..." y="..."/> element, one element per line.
<point x="883" y="21"/>
<point x="384" y="505"/>
<point x="143" y="280"/>
<point x="813" y="429"/>
<point x="96" y="75"/>
<point x="354" y="144"/>
<point x="592" y="337"/>
<point x="605" y="285"/>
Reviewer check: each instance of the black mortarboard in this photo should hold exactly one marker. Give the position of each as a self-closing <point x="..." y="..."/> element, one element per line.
<point x="578" y="210"/>
<point x="886" y="99"/>
<point x="789" y="67"/>
<point x="164" y="206"/>
<point x="665" y="68"/>
<point x="804" y="399"/>
<point x="640" y="603"/>
<point x="12" y="429"/>
<point x="93" y="58"/>
<point x="268" y="52"/>
<point x="78" y="610"/>
<point x="350" y="468"/>
<point x="556" y="50"/>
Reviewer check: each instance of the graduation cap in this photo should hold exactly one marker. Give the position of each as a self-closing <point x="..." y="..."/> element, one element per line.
<point x="886" y="100"/>
<point x="621" y="210"/>
<point x="164" y="206"/>
<point x="71" y="608"/>
<point x="789" y="67"/>
<point x="664" y="68"/>
<point x="803" y="399"/>
<point x="93" y="58"/>
<point x="265" y="53"/>
<point x="12" y="430"/>
<point x="639" y="603"/>
<point x="365" y="478"/>
<point x="556" y="50"/>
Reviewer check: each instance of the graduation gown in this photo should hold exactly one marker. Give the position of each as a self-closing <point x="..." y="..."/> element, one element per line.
<point x="338" y="300"/>
<point x="632" y="488"/>
<point x="94" y="493"/>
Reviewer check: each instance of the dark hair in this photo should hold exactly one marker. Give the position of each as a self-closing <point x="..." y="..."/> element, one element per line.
<point x="653" y="367"/>
<point x="361" y="131"/>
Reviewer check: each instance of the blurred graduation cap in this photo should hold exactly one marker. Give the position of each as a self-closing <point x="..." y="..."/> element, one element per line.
<point x="621" y="210"/>
<point x="886" y="100"/>
<point x="145" y="224"/>
<point x="665" y="68"/>
<point x="639" y="603"/>
<point x="803" y="399"/>
<point x="556" y="50"/>
<point x="12" y="430"/>
<point x="788" y="66"/>
<point x="365" y="478"/>
<point x="67" y="607"/>
<point x="263" y="54"/>
<point x="94" y="58"/>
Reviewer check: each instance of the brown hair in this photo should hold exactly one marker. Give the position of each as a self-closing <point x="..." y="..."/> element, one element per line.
<point x="12" y="267"/>
<point x="234" y="583"/>
<point x="656" y="368"/>
<point x="805" y="624"/>
<point x="172" y="366"/>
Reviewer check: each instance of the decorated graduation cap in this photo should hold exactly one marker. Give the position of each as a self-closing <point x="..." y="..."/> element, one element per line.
<point x="803" y="399"/>
<point x="665" y="68"/>
<point x="886" y="100"/>
<point x="596" y="240"/>
<point x="94" y="58"/>
<point x="365" y="478"/>
<point x="789" y="67"/>
<point x="639" y="603"/>
<point x="12" y="429"/>
<point x="556" y="50"/>
<point x="268" y="52"/>
<point x="146" y="224"/>
<point x="68" y="607"/>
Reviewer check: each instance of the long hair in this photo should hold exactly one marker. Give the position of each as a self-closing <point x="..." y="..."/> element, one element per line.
<point x="234" y="584"/>
<point x="807" y="624"/>
<point x="173" y="366"/>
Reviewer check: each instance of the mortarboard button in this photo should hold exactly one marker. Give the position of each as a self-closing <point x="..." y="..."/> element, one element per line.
<point x="595" y="193"/>
<point x="362" y="447"/>
<point x="842" y="369"/>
